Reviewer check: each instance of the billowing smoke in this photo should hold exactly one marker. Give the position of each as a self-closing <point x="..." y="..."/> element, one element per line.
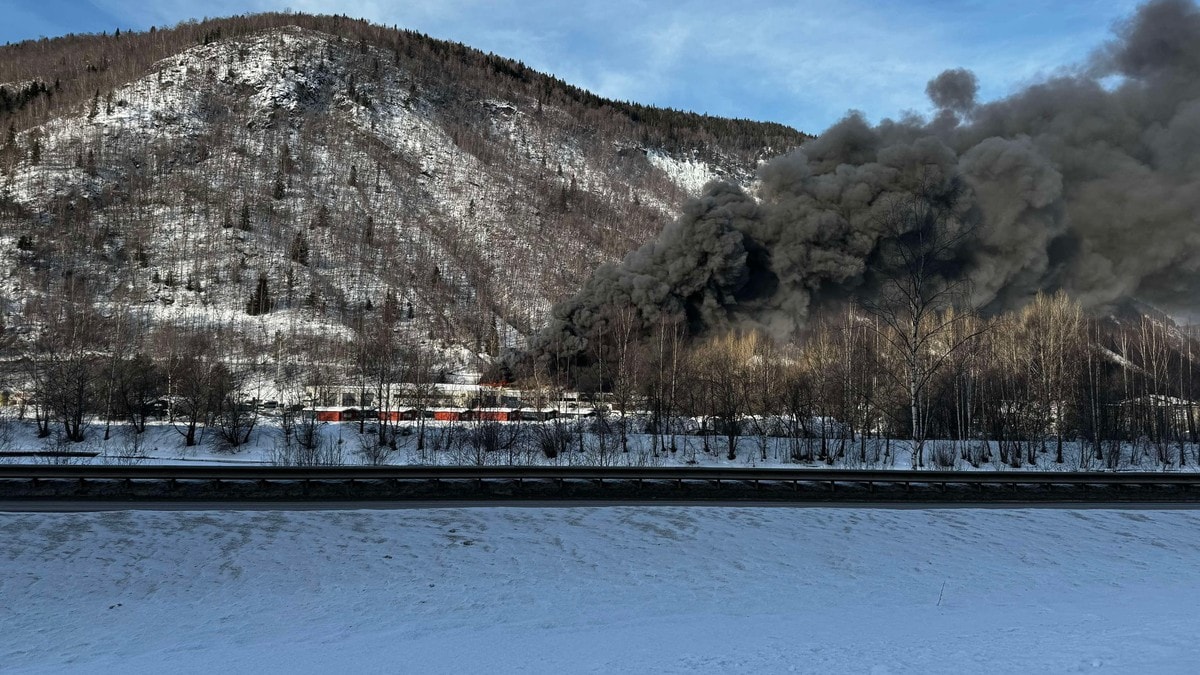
<point x="953" y="90"/>
<point x="1088" y="183"/>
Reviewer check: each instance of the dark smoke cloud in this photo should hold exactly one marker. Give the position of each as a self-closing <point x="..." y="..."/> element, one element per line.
<point x="953" y="90"/>
<point x="1069" y="184"/>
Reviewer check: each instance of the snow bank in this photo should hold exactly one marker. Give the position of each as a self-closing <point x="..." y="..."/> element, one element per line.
<point x="621" y="589"/>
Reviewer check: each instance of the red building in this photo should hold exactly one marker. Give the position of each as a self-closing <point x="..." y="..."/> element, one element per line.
<point x="403" y="415"/>
<point x="493" y="415"/>
<point x="335" y="414"/>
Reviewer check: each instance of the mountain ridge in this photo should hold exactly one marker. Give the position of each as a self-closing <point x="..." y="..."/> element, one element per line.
<point x="347" y="175"/>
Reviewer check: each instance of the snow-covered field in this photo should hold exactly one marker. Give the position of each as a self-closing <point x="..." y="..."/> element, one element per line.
<point x="616" y="589"/>
<point x="463" y="444"/>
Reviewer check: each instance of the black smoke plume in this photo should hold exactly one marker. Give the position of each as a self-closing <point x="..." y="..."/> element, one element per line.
<point x="1089" y="182"/>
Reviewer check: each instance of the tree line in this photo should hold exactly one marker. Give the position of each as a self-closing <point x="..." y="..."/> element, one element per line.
<point x="78" y="374"/>
<point x="1001" y="389"/>
<point x="1013" y="389"/>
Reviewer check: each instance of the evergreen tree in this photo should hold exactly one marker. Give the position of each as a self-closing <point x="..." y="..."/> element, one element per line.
<point x="299" y="250"/>
<point x="391" y="308"/>
<point x="287" y="165"/>
<point x="260" y="300"/>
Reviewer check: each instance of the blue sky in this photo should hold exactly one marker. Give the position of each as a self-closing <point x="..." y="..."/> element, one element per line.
<point x="803" y="63"/>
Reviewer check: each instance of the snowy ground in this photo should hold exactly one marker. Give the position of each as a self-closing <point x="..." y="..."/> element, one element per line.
<point x="616" y="589"/>
<point x="460" y="444"/>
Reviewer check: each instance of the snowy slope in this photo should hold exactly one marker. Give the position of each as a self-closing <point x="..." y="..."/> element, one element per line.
<point x="628" y="589"/>
<point x="169" y="194"/>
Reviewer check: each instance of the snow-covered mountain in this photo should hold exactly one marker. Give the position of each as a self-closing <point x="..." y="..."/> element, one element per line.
<point x="293" y="175"/>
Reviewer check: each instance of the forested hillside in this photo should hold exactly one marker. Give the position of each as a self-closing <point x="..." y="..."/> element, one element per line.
<point x="289" y="184"/>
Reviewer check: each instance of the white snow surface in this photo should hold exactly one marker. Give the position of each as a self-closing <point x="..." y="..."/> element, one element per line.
<point x="689" y="174"/>
<point x="665" y="589"/>
<point x="344" y="443"/>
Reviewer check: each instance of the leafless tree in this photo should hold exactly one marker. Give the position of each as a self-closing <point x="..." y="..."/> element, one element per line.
<point x="924" y="230"/>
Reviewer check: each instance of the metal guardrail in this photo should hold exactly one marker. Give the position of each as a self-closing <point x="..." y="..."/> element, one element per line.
<point x="519" y="473"/>
<point x="47" y="454"/>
